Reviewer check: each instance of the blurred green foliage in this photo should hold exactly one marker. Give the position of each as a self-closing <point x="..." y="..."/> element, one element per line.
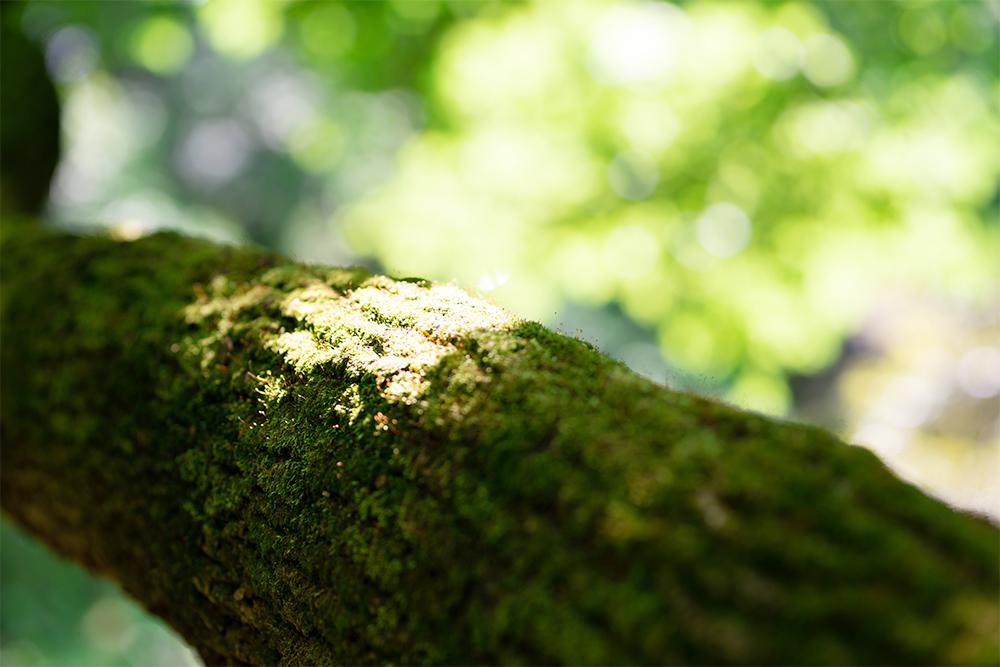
<point x="54" y="613"/>
<point x="732" y="177"/>
<point x="724" y="194"/>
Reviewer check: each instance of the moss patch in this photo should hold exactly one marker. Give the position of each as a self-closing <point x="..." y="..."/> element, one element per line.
<point x="304" y="465"/>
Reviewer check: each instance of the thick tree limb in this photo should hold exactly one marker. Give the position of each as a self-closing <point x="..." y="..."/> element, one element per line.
<point x="306" y="465"/>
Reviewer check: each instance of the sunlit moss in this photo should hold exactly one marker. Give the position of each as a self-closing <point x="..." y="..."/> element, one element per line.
<point x="392" y="331"/>
<point x="272" y="387"/>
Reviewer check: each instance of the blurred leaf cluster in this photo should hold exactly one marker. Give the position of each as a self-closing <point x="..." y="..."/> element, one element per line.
<point x="53" y="613"/>
<point x="735" y="176"/>
<point x="732" y="178"/>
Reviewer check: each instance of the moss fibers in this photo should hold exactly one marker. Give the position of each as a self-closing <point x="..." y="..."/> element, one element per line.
<point x="303" y="465"/>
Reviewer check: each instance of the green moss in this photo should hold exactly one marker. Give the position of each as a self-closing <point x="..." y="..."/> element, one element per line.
<point x="309" y="465"/>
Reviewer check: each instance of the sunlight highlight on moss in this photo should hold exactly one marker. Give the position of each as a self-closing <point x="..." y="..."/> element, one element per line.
<point x="394" y="331"/>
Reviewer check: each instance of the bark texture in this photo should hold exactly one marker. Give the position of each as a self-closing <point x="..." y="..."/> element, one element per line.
<point x="304" y="465"/>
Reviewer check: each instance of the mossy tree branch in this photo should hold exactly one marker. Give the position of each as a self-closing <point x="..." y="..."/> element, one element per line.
<point x="305" y="465"/>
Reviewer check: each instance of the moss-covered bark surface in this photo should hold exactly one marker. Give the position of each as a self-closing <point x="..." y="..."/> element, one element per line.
<point x="305" y="465"/>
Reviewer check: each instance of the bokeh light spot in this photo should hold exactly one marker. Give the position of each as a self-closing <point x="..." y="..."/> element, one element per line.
<point x="778" y="54"/>
<point x="279" y="104"/>
<point x="637" y="43"/>
<point x="414" y="17"/>
<point x="317" y="145"/>
<point x="632" y="176"/>
<point x="978" y="372"/>
<point x="698" y="342"/>
<point x="110" y="624"/>
<point x="762" y="392"/>
<point x="648" y="125"/>
<point x="828" y="61"/>
<point x="908" y="401"/>
<point x="723" y="229"/>
<point x="923" y="30"/>
<point x="70" y="54"/>
<point x="631" y="251"/>
<point x="972" y="28"/>
<point x="491" y="280"/>
<point x="828" y="127"/>
<point x="213" y="152"/>
<point x="328" y="30"/>
<point x="241" y="28"/>
<point x="162" y="45"/>
<point x="884" y="439"/>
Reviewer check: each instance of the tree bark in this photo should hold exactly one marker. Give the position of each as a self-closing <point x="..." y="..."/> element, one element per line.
<point x="297" y="464"/>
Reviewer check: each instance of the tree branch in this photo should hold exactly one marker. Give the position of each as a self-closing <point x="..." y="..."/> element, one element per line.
<point x="305" y="465"/>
